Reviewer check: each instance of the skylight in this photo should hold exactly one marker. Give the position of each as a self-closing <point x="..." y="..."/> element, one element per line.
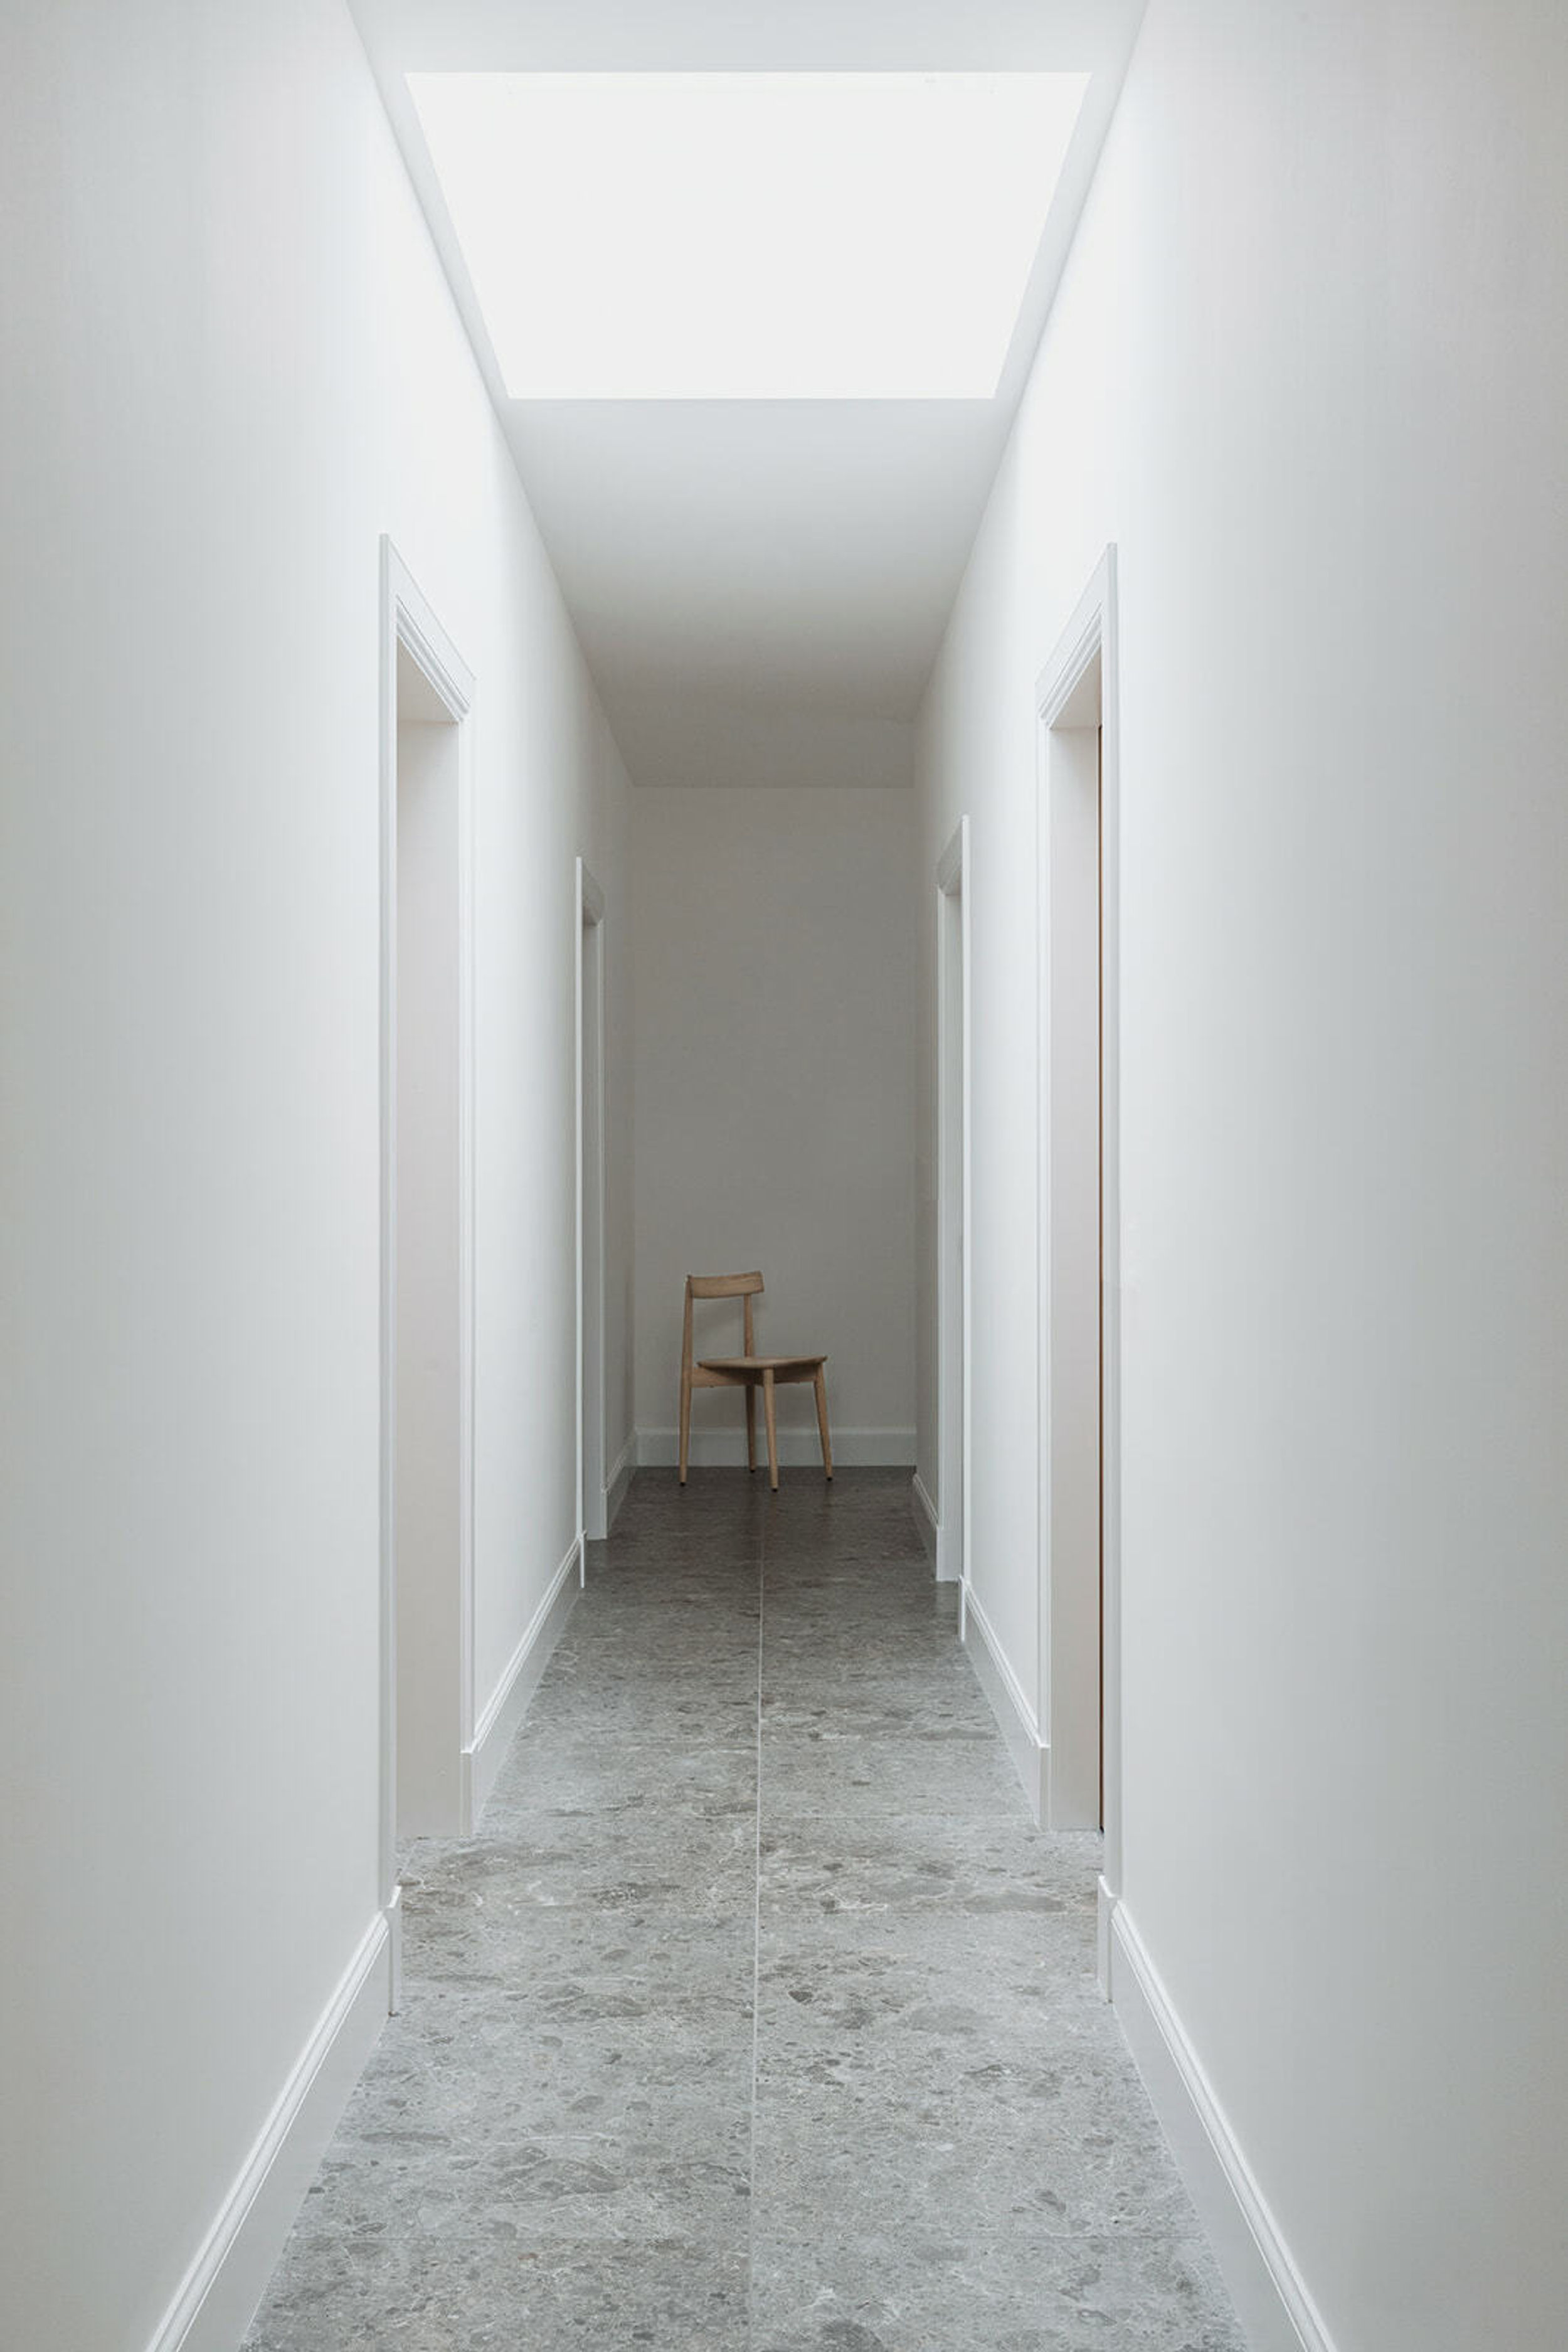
<point x="747" y="236"/>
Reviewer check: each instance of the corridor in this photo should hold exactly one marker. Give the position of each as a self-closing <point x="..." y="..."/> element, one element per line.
<point x="758" y="2015"/>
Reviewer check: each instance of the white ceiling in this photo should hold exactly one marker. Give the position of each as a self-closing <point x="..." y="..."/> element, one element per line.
<point x="759" y="587"/>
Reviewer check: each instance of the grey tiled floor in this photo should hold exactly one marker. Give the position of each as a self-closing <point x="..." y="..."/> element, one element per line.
<point x="757" y="2017"/>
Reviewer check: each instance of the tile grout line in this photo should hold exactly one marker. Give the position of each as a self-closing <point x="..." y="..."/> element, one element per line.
<point x="756" y="1952"/>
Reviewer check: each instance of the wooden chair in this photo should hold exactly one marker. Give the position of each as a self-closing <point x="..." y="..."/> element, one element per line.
<point x="750" y="1372"/>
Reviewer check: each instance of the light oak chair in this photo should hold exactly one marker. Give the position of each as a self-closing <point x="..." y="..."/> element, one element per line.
<point x="750" y="1372"/>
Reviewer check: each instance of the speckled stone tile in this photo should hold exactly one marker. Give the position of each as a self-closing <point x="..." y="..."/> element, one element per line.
<point x="882" y="1632"/>
<point x="826" y="1657"/>
<point x="951" y="2091"/>
<point x="651" y="1622"/>
<point x="876" y="1998"/>
<point x="922" y="1862"/>
<point x="432" y="2294"/>
<point x="646" y="1952"/>
<point x="688" y="1708"/>
<point x="653" y="1635"/>
<point x="791" y="1651"/>
<point x="577" y="2033"/>
<point x="448" y="2075"/>
<point x="856" y="1550"/>
<point x="677" y="2172"/>
<point x="587" y="1775"/>
<point x="634" y="1935"/>
<point x="757" y="2017"/>
<point x="946" y="1772"/>
<point x="693" y="1863"/>
<point x="872" y="1705"/>
<point x="874" y="1617"/>
<point x="906" y="2288"/>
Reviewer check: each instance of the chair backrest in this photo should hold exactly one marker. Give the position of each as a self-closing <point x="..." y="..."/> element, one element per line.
<point x="744" y="1287"/>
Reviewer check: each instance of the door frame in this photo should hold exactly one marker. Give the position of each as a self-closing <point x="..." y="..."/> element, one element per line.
<point x="1087" y="645"/>
<point x="953" y="1322"/>
<point x="407" y="621"/>
<point x="588" y="923"/>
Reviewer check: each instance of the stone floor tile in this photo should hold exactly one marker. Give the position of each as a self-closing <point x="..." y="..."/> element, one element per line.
<point x="757" y="2017"/>
<point x="946" y="1772"/>
<point x="908" y="2288"/>
<point x="923" y="1862"/>
<point x="431" y="2293"/>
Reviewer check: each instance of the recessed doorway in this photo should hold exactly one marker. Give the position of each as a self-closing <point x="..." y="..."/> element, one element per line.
<point x="1079" y="1218"/>
<point x="952" y="1214"/>
<point x="427" y="1320"/>
<point x="592" y="1500"/>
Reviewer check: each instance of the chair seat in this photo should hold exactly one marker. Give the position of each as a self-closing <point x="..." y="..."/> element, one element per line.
<point x="760" y="1363"/>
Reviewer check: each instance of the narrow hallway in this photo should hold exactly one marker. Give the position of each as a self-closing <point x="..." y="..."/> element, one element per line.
<point x="758" y="2015"/>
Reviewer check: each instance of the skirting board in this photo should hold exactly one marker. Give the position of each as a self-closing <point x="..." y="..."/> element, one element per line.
<point x="619" y="1480"/>
<point x="724" y="1449"/>
<point x="1276" y="2312"/>
<point x="938" y="1536"/>
<point x="1015" y="1717"/>
<point x="927" y="1521"/>
<point x="496" y="1727"/>
<point x="217" y="2298"/>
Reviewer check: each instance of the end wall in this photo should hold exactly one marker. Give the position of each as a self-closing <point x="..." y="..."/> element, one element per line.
<point x="775" y="1102"/>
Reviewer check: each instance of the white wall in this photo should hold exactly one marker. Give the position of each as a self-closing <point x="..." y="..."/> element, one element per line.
<point x="775" y="1100"/>
<point x="229" y="364"/>
<point x="1309" y="371"/>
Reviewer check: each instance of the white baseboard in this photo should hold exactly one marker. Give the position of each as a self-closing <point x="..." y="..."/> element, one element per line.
<point x="394" y="1950"/>
<point x="1104" y="1913"/>
<point x="927" y="1521"/>
<point x="508" y="1703"/>
<point x="619" y="1480"/>
<point x="1272" y="2305"/>
<point x="936" y="1535"/>
<point x="941" y="1540"/>
<point x="217" y="2298"/>
<point x="1016" y="1719"/>
<point x="724" y="1449"/>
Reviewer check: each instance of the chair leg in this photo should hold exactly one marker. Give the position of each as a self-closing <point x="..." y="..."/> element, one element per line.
<point x="820" y="1385"/>
<point x="772" y="1431"/>
<point x="686" y="1422"/>
<point x="751" y="1425"/>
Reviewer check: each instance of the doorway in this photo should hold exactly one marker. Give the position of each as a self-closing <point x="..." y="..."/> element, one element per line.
<point x="427" y="1321"/>
<point x="1078" y="1215"/>
<point x="592" y="1516"/>
<point x="953" y="1215"/>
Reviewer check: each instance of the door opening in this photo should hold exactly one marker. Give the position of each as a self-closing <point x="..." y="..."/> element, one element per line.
<point x="592" y="1505"/>
<point x="953" y="1215"/>
<point x="1078" y="1217"/>
<point x="426" y="1232"/>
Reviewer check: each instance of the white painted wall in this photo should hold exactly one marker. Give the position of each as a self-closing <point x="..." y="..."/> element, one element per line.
<point x="775" y="1094"/>
<point x="1309" y="371"/>
<point x="229" y="364"/>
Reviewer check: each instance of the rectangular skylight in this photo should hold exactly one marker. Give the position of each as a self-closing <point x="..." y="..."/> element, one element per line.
<point x="749" y="236"/>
